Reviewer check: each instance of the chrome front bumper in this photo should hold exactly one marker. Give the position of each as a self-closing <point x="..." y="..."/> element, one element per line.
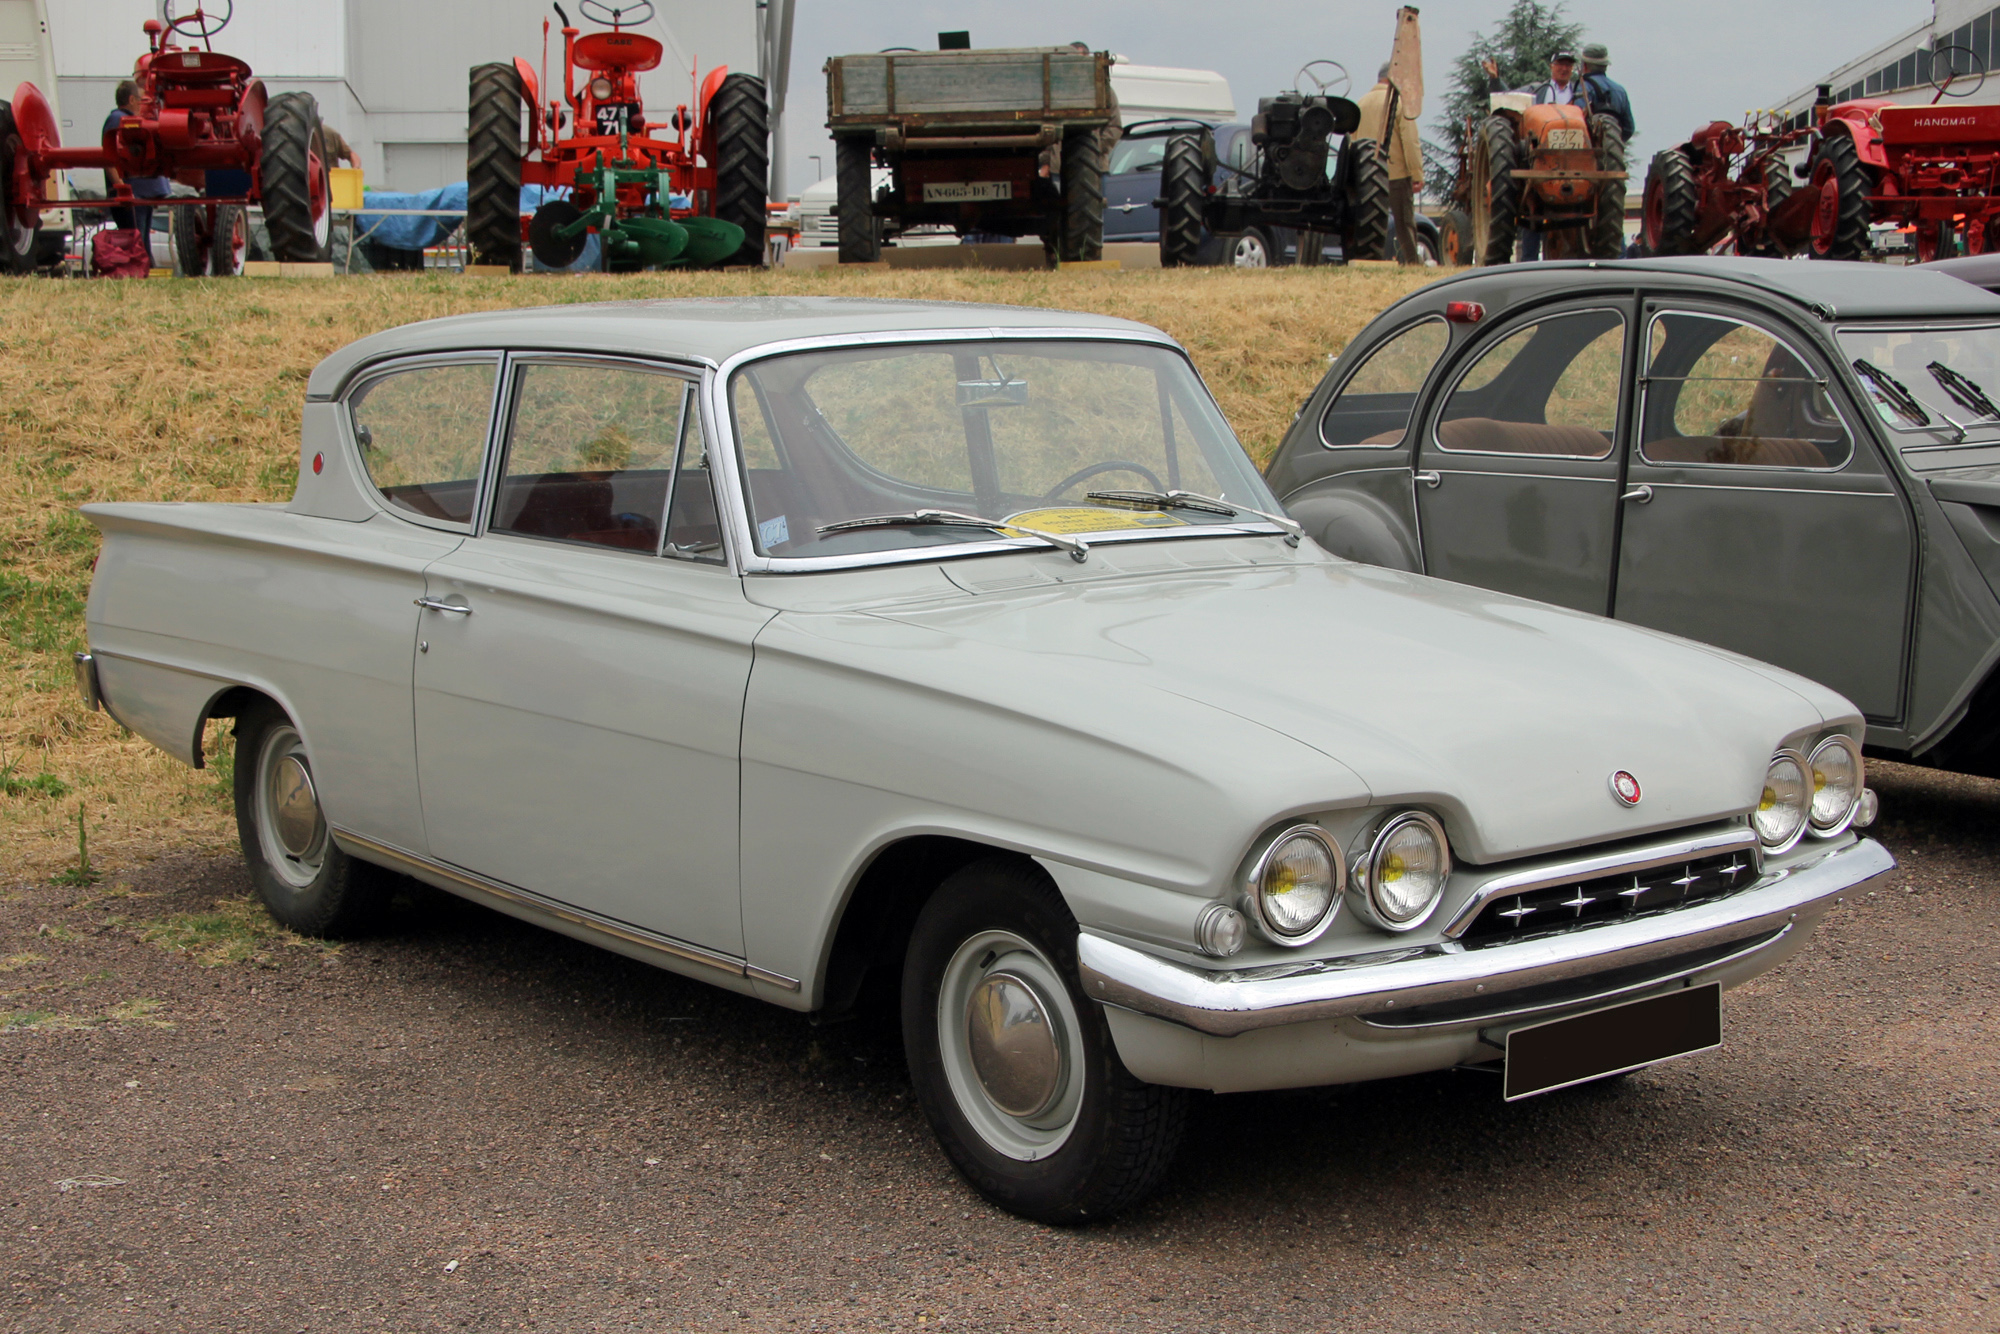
<point x="1223" y="1003"/>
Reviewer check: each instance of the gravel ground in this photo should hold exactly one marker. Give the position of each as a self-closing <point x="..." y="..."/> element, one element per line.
<point x="471" y="1123"/>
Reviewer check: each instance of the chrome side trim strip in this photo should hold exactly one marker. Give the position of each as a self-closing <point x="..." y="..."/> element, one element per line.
<point x="369" y="850"/>
<point x="1224" y="1003"/>
<point x="1603" y="864"/>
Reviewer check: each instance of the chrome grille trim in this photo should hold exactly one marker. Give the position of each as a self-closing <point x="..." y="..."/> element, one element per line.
<point x="1625" y="861"/>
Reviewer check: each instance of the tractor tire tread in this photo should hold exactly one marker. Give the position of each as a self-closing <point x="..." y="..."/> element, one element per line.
<point x="1850" y="233"/>
<point x="1672" y="175"/>
<point x="853" y="165"/>
<point x="493" y="166"/>
<point x="1503" y="192"/>
<point x="1368" y="233"/>
<point x="1606" y="237"/>
<point x="291" y="122"/>
<point x="1183" y="189"/>
<point x="1083" y="197"/>
<point x="741" y="114"/>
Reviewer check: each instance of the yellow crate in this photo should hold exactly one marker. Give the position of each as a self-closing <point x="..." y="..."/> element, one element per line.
<point x="346" y="187"/>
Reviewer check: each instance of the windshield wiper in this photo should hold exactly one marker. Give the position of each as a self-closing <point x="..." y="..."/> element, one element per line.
<point x="953" y="519"/>
<point x="1194" y="500"/>
<point x="1964" y="390"/>
<point x="1893" y="392"/>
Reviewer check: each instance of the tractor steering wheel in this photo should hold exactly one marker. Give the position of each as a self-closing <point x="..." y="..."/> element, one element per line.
<point x="620" y="16"/>
<point x="1085" y="474"/>
<point x="1308" y="73"/>
<point x="1963" y="65"/>
<point x="201" y="23"/>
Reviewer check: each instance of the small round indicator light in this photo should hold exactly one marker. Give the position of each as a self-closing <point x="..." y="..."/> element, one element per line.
<point x="1625" y="787"/>
<point x="319" y="464"/>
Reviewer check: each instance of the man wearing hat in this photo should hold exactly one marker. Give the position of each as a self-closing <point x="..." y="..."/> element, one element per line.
<point x="1606" y="98"/>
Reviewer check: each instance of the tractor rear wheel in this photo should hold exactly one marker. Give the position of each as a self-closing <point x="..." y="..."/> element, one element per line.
<point x="17" y="239"/>
<point x="1367" y="235"/>
<point x="493" y="166"/>
<point x="1183" y="190"/>
<point x="296" y="192"/>
<point x="1606" y="238"/>
<point x="229" y="242"/>
<point x="1671" y="204"/>
<point x="1777" y="191"/>
<point x="853" y="170"/>
<point x="1496" y="195"/>
<point x="1840" y="226"/>
<point x="187" y="227"/>
<point x="1083" y="197"/>
<point x="1455" y="238"/>
<point x="742" y="121"/>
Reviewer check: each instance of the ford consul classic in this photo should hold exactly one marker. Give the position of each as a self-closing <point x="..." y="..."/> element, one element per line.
<point x="783" y="642"/>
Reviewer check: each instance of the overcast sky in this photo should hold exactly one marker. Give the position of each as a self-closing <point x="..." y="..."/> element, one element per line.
<point x="1685" y="62"/>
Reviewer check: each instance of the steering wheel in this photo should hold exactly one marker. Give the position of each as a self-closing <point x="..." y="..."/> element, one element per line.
<point x="201" y="23"/>
<point x="623" y="16"/>
<point x="1085" y="474"/>
<point x="1308" y="73"/>
<point x="1963" y="65"/>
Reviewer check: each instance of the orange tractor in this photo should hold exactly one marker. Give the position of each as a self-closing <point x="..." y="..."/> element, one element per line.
<point x="697" y="198"/>
<point x="1552" y="169"/>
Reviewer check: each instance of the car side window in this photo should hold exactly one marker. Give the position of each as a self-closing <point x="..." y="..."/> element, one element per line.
<point x="1373" y="408"/>
<point x="694" y="529"/>
<point x="1722" y="391"/>
<point x="1549" y="388"/>
<point x="590" y="454"/>
<point x="422" y="436"/>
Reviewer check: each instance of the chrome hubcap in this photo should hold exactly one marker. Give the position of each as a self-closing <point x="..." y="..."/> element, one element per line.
<point x="1249" y="253"/>
<point x="294" y="807"/>
<point x="289" y="823"/>
<point x="1012" y="1046"/>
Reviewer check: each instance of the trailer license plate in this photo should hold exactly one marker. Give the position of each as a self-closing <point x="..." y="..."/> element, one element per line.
<point x="1611" y="1041"/>
<point x="966" y="192"/>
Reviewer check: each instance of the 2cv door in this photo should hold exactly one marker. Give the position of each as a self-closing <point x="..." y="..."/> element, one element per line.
<point x="1755" y="515"/>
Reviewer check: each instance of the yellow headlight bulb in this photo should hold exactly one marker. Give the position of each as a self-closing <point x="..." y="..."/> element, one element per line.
<point x="1393" y="866"/>
<point x="1768" y="800"/>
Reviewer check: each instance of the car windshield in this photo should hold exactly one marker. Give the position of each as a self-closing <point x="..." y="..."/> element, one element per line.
<point x="1140" y="153"/>
<point x="1005" y="430"/>
<point x="1927" y="380"/>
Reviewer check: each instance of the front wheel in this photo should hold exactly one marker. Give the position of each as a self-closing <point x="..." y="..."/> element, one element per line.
<point x="1183" y="192"/>
<point x="294" y="187"/>
<point x="17" y="223"/>
<point x="1015" y="1066"/>
<point x="853" y="169"/>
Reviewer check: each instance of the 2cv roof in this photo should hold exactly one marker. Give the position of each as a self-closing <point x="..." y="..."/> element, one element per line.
<point x="1828" y="291"/>
<point x="699" y="329"/>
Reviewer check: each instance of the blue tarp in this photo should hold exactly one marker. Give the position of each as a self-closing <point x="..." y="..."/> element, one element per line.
<point x="411" y="233"/>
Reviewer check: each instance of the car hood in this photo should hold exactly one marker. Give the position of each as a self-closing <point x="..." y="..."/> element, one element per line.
<point x="1506" y="716"/>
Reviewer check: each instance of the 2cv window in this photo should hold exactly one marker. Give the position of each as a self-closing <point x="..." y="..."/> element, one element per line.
<point x="1372" y="410"/>
<point x="422" y="436"/>
<point x="1719" y="391"/>
<point x="1550" y="388"/>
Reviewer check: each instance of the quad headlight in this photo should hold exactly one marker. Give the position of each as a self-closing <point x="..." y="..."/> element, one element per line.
<point x="1294" y="889"/>
<point x="1786" y="803"/>
<point x="1401" y="875"/>
<point x="1837" y="781"/>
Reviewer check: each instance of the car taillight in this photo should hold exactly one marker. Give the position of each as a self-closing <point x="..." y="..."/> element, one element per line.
<point x="1464" y="312"/>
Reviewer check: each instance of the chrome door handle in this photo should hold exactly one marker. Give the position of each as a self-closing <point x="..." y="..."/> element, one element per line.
<point x="1640" y="494"/>
<point x="1430" y="479"/>
<point x="436" y="605"/>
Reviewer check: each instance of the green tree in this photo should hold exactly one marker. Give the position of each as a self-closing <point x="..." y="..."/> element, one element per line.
<point x="1520" y="44"/>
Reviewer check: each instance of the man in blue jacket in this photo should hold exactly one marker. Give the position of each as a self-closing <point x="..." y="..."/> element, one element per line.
<point x="1606" y="97"/>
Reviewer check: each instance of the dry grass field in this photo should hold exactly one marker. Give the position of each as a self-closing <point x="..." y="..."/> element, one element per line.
<point x="175" y="390"/>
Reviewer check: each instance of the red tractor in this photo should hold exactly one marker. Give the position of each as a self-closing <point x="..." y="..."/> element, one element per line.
<point x="1727" y="186"/>
<point x="201" y="118"/>
<point x="697" y="198"/>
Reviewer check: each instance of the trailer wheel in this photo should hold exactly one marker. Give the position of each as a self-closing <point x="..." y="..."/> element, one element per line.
<point x="1083" y="197"/>
<point x="1455" y="237"/>
<point x="1840" y="224"/>
<point x="17" y="239"/>
<point x="742" y="160"/>
<point x="1496" y="195"/>
<point x="860" y="242"/>
<point x="1183" y="189"/>
<point x="1606" y="239"/>
<point x="296" y="192"/>
<point x="493" y="166"/>
<point x="1367" y="234"/>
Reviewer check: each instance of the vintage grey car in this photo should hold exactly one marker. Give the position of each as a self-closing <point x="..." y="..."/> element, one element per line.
<point x="784" y="642"/>
<point x="1800" y="462"/>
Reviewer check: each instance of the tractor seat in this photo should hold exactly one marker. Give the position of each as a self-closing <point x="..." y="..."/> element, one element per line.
<point x="604" y="51"/>
<point x="195" y="69"/>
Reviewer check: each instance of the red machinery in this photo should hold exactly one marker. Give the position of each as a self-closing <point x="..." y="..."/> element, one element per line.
<point x="201" y="117"/>
<point x="1728" y="184"/>
<point x="697" y="198"/>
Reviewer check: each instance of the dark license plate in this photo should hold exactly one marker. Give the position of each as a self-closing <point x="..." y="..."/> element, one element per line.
<point x="1611" y="1041"/>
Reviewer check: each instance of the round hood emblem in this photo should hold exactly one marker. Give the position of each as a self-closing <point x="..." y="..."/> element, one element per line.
<point x="1625" y="787"/>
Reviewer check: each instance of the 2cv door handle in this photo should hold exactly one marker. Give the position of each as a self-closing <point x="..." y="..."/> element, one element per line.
<point x="1430" y="478"/>
<point x="435" y="605"/>
<point x="1641" y="495"/>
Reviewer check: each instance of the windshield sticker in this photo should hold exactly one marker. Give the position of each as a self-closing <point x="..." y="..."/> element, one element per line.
<point x="1091" y="519"/>
<point x="773" y="533"/>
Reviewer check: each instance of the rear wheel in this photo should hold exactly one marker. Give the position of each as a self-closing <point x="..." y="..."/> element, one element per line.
<point x="1183" y="191"/>
<point x="1840" y="223"/>
<point x="1014" y="1066"/>
<point x="860" y="242"/>
<point x="189" y="229"/>
<point x="228" y="241"/>
<point x="1368" y="213"/>
<point x="1496" y="200"/>
<point x="1455" y="237"/>
<point x="295" y="190"/>
<point x="1606" y="238"/>
<point x="1083" y="197"/>
<point x="493" y="166"/>
<point x="741" y="117"/>
<point x="17" y="228"/>
<point x="1668" y="212"/>
<point x="1777" y="193"/>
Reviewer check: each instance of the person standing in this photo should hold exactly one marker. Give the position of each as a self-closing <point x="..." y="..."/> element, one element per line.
<point x="1606" y="97"/>
<point x="1405" y="158"/>
<point x="136" y="216"/>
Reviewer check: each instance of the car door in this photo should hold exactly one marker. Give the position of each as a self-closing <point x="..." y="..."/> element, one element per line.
<point x="1756" y="516"/>
<point x="1517" y="473"/>
<point x="1130" y="187"/>
<point x="580" y="673"/>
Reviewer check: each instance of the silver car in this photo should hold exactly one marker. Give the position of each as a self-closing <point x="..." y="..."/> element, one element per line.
<point x="783" y="642"/>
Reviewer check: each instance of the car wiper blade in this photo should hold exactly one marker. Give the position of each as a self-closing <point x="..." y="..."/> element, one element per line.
<point x="1194" y="500"/>
<point x="1964" y="390"/>
<point x="953" y="519"/>
<point x="1893" y="392"/>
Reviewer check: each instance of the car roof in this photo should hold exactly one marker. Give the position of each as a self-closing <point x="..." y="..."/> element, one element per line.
<point x="1979" y="270"/>
<point x="1828" y="290"/>
<point x="708" y="330"/>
